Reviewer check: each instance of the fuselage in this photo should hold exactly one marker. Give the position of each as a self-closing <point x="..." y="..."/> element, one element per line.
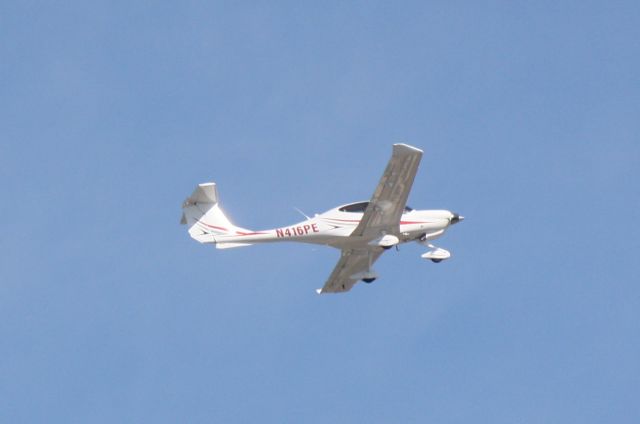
<point x="335" y="227"/>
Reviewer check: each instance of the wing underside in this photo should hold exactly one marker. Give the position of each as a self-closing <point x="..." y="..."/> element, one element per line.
<point x="351" y="263"/>
<point x="390" y="197"/>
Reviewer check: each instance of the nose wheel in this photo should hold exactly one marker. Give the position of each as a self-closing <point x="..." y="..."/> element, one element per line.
<point x="437" y="254"/>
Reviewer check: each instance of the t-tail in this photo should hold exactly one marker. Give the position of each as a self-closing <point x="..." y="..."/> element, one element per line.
<point x="202" y="214"/>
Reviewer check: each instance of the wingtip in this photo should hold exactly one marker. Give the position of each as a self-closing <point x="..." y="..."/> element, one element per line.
<point x="319" y="291"/>
<point x="407" y="147"/>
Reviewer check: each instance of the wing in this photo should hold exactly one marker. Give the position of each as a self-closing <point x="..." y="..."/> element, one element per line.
<point x="382" y="215"/>
<point x="351" y="262"/>
<point x="390" y="197"/>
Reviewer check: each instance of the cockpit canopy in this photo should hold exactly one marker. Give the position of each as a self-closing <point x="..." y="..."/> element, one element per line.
<point x="360" y="207"/>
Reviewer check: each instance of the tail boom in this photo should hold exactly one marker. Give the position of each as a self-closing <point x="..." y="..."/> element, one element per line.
<point x="207" y="223"/>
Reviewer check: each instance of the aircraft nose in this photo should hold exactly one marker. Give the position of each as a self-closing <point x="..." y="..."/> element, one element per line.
<point x="455" y="218"/>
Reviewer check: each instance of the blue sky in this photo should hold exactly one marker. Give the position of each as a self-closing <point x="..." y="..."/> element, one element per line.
<point x="528" y="114"/>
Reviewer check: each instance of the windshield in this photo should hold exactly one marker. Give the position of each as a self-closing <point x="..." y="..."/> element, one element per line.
<point x="360" y="207"/>
<point x="355" y="207"/>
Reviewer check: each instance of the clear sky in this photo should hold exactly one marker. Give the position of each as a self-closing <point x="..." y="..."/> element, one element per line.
<point x="111" y="112"/>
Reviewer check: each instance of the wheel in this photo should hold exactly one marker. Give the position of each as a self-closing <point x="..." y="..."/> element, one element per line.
<point x="436" y="260"/>
<point x="368" y="280"/>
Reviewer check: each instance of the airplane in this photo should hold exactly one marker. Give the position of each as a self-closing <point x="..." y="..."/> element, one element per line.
<point x="361" y="230"/>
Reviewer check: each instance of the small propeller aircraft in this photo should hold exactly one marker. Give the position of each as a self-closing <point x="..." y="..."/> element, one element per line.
<point x="361" y="230"/>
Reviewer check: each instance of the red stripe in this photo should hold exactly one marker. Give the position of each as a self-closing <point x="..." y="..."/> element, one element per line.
<point x="213" y="226"/>
<point x="226" y="230"/>
<point x="357" y="220"/>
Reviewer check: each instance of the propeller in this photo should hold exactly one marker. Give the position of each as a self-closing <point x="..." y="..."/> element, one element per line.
<point x="456" y="218"/>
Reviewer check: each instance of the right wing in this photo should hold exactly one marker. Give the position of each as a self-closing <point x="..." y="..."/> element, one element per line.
<point x="390" y="197"/>
<point x="352" y="262"/>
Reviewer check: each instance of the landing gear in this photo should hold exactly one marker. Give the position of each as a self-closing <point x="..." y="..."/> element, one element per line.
<point x="367" y="275"/>
<point x="437" y="254"/>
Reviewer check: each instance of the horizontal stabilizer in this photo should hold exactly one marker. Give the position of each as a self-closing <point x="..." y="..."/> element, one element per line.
<point x="204" y="193"/>
<point x="231" y="245"/>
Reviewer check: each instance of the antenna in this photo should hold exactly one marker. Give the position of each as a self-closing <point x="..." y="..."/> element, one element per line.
<point x="301" y="213"/>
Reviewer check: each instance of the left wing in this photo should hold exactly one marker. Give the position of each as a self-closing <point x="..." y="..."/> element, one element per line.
<point x="390" y="197"/>
<point x="352" y="262"/>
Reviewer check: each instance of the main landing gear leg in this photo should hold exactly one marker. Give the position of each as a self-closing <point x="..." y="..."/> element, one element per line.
<point x="370" y="276"/>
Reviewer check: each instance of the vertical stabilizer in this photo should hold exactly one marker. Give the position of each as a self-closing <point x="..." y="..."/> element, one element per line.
<point x="202" y="214"/>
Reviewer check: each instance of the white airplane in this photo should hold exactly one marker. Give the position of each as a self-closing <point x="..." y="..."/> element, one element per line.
<point x="361" y="230"/>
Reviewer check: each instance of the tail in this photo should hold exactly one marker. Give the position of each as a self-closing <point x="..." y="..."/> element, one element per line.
<point x="202" y="214"/>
